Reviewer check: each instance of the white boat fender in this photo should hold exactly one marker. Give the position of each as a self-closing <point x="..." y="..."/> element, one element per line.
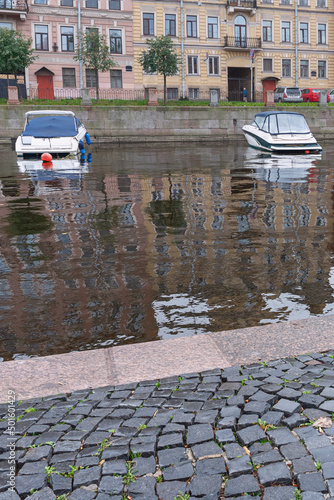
<point x="88" y="140"/>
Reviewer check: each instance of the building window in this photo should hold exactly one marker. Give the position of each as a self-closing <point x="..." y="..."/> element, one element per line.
<point x="303" y="3"/>
<point x="115" y="41"/>
<point x="170" y="25"/>
<point x="286" y="31"/>
<point x="266" y="31"/>
<point x="116" y="79"/>
<point x="285" y="2"/>
<point x="67" y="38"/>
<point x="321" y="3"/>
<point x="212" y="27"/>
<point x="40" y="2"/>
<point x="304" y="69"/>
<point x="192" y="26"/>
<point x="66" y="3"/>
<point x="321" y="34"/>
<point x="69" y="77"/>
<point x="41" y="37"/>
<point x="267" y="65"/>
<point x="214" y="65"/>
<point x="192" y="65"/>
<point x="322" y="69"/>
<point x="303" y="33"/>
<point x="172" y="94"/>
<point x="114" y="4"/>
<point x="92" y="4"/>
<point x="286" y="67"/>
<point x="193" y="93"/>
<point x="6" y="26"/>
<point x="240" y="33"/>
<point x="90" y="78"/>
<point x="148" y="24"/>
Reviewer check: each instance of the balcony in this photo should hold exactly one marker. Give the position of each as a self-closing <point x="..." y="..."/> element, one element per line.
<point x="248" y="6"/>
<point x="233" y="42"/>
<point x="19" y="7"/>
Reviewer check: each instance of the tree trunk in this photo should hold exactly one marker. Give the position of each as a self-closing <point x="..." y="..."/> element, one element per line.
<point x="165" y="89"/>
<point x="18" y="88"/>
<point x="97" y="85"/>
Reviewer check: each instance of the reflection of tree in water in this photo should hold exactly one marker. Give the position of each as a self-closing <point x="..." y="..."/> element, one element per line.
<point x="168" y="214"/>
<point x="24" y="218"/>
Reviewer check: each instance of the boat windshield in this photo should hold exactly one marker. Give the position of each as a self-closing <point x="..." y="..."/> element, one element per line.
<point x="291" y="124"/>
<point x="52" y="126"/>
<point x="281" y="123"/>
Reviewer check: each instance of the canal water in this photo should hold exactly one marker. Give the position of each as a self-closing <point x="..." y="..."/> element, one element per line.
<point x="155" y="242"/>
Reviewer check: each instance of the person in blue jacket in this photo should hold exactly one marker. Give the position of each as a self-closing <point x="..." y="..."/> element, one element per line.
<point x="244" y="94"/>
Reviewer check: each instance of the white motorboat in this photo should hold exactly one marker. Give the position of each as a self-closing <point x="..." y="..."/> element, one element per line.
<point x="55" y="132"/>
<point x="281" y="132"/>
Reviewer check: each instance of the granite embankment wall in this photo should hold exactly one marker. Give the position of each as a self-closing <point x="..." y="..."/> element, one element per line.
<point x="131" y="124"/>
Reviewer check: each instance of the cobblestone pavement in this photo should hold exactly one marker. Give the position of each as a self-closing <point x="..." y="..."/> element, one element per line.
<point x="219" y="434"/>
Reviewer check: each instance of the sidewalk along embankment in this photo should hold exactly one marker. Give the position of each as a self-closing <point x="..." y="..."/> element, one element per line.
<point x="138" y="124"/>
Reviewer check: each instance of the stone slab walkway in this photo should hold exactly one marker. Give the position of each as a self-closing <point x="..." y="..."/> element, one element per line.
<point x="244" y="430"/>
<point x="73" y="371"/>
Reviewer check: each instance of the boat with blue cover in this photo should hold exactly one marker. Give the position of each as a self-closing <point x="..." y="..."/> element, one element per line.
<point x="281" y="132"/>
<point x="56" y="132"/>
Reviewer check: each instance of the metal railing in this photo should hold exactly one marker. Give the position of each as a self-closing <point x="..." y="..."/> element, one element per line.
<point x="242" y="43"/>
<point x="21" y="5"/>
<point x="250" y="4"/>
<point x="75" y="93"/>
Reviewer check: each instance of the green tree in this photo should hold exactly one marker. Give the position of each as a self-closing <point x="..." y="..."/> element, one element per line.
<point x="160" y="58"/>
<point x="94" y="54"/>
<point x="15" y="53"/>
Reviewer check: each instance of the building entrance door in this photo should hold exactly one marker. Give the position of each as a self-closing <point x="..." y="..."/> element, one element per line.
<point x="238" y="78"/>
<point x="267" y="85"/>
<point x="45" y="83"/>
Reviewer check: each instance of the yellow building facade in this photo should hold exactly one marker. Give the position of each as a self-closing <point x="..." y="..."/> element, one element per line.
<point x="226" y="46"/>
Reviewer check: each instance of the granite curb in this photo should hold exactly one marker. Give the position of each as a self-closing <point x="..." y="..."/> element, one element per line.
<point x="222" y="433"/>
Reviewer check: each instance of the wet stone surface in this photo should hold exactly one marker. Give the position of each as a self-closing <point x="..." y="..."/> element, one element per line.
<point x="212" y="435"/>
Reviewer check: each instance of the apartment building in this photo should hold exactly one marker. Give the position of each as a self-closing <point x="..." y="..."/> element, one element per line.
<point x="227" y="44"/>
<point x="54" y="25"/>
<point x="224" y="45"/>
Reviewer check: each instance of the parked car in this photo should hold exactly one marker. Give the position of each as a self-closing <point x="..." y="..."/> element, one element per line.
<point x="331" y="96"/>
<point x="312" y="95"/>
<point x="287" y="94"/>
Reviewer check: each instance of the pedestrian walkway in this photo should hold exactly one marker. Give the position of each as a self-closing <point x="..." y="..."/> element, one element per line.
<point x="262" y="429"/>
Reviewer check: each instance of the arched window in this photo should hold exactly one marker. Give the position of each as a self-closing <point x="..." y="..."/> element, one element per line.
<point x="240" y="31"/>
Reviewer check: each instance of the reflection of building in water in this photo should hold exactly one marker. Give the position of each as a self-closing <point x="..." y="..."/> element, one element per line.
<point x="182" y="253"/>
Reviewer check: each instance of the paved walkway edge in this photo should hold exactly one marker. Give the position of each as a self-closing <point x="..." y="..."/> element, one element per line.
<point x="65" y="373"/>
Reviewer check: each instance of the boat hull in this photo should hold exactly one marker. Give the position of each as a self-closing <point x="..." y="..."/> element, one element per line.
<point x="32" y="146"/>
<point x="287" y="143"/>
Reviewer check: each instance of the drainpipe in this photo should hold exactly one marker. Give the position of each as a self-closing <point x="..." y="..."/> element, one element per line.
<point x="182" y="51"/>
<point x="296" y="42"/>
<point x="79" y="35"/>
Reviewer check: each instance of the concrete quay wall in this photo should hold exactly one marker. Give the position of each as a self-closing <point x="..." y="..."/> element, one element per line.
<point x="131" y="124"/>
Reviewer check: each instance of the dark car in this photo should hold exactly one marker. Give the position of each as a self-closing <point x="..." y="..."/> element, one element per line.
<point x="287" y="94"/>
<point x="312" y="95"/>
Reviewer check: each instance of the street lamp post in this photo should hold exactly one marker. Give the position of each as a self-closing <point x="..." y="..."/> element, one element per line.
<point x="182" y="51"/>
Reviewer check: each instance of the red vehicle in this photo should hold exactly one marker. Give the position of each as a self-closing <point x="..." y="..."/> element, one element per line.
<point x="312" y="95"/>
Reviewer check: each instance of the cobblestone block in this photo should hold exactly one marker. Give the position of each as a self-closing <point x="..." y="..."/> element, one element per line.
<point x="260" y="448"/>
<point x="311" y="401"/>
<point x="273" y="418"/>
<point x="208" y="449"/>
<point x="170" y="489"/>
<point x="179" y="472"/>
<point x="170" y="441"/>
<point x="36" y="454"/>
<point x="234" y="450"/>
<point x="60" y="484"/>
<point x="323" y="455"/>
<point x="43" y="494"/>
<point x="312" y="482"/>
<point x="206" y="417"/>
<point x="25" y="483"/>
<point x="199" y="434"/>
<point x="225" y="436"/>
<point x="317" y="442"/>
<point x="114" y="467"/>
<point x="293" y="450"/>
<point x="111" y="483"/>
<point x="240" y="485"/>
<point x="287" y="407"/>
<point x="274" y="474"/>
<point x="200" y="486"/>
<point x="294" y="420"/>
<point x="227" y="423"/>
<point x="230" y="411"/>
<point x="210" y="466"/>
<point x="144" y="466"/>
<point x="279" y="493"/>
<point x="288" y="393"/>
<point x="33" y="468"/>
<point x="239" y="466"/>
<point x="247" y="420"/>
<point x="174" y="456"/>
<point x="267" y="457"/>
<point x="256" y="407"/>
<point x="281" y="436"/>
<point x="328" y="470"/>
<point x="250" y="435"/>
<point x="85" y="477"/>
<point x="312" y="495"/>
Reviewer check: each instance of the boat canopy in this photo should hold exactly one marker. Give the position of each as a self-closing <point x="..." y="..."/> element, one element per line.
<point x="52" y="126"/>
<point x="280" y="122"/>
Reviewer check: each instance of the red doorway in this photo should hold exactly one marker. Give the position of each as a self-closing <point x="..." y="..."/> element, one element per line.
<point x="45" y="83"/>
<point x="268" y="84"/>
